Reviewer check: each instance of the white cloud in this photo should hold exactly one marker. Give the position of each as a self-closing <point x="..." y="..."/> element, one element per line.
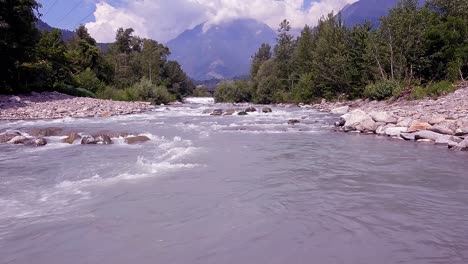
<point x="163" y="20"/>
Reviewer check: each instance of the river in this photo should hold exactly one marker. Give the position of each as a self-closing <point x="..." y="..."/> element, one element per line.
<point x="231" y="189"/>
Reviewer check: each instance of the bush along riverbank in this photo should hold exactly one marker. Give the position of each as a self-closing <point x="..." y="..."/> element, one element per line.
<point x="441" y="121"/>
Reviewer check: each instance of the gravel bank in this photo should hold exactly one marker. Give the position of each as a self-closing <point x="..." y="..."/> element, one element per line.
<point x="53" y="105"/>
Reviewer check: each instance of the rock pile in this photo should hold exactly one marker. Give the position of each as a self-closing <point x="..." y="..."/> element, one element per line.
<point x="441" y="121"/>
<point x="52" y="105"/>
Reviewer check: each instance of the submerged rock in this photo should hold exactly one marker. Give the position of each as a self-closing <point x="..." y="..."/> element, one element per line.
<point x="242" y="113"/>
<point x="136" y="140"/>
<point x="293" y="122"/>
<point x="88" y="140"/>
<point x="217" y="112"/>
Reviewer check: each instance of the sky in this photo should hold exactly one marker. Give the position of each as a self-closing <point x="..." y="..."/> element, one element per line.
<point x="164" y="20"/>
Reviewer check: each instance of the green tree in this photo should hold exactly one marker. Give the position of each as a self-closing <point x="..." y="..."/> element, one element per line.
<point x="263" y="54"/>
<point x="284" y="51"/>
<point x="176" y="80"/>
<point x="304" y="53"/>
<point x="18" y="38"/>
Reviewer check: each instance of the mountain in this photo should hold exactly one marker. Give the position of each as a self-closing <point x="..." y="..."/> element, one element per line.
<point x="66" y="34"/>
<point x="370" y="10"/>
<point x="221" y="51"/>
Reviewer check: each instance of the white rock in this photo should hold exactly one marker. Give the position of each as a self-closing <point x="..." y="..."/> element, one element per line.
<point x="383" y="117"/>
<point x="340" y="110"/>
<point x="358" y="120"/>
<point x="395" y="131"/>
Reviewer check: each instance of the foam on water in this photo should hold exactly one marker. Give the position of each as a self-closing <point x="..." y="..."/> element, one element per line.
<point x="199" y="100"/>
<point x="168" y="156"/>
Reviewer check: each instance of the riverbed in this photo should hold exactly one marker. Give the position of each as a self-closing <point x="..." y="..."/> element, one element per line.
<point x="231" y="189"/>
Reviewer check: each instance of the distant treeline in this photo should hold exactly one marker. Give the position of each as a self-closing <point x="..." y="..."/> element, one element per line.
<point x="416" y="52"/>
<point x="131" y="69"/>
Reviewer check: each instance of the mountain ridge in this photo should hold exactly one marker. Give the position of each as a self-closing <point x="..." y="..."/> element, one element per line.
<point x="220" y="51"/>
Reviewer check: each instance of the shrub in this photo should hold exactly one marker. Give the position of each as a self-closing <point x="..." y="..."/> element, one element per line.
<point x="147" y="91"/>
<point x="382" y="90"/>
<point x="88" y="80"/>
<point x="71" y="90"/>
<point x="433" y="90"/>
<point x="233" y="92"/>
<point x="201" y="92"/>
<point x="303" y="91"/>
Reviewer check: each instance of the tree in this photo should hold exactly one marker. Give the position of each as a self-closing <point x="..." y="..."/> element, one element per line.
<point x="304" y="53"/>
<point x="124" y="40"/>
<point x="263" y="54"/>
<point x="267" y="83"/>
<point x="331" y="61"/>
<point x="152" y="59"/>
<point x="51" y="50"/>
<point x="18" y="38"/>
<point x="284" y="51"/>
<point x="176" y="80"/>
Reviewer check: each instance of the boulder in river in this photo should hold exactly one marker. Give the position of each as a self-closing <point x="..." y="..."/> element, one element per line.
<point x="37" y="142"/>
<point x="72" y="137"/>
<point x="242" y="113"/>
<point x="462" y="146"/>
<point x="359" y="120"/>
<point x="267" y="110"/>
<point x="88" y="140"/>
<point x="18" y="140"/>
<point x="340" y="110"/>
<point x="426" y="134"/>
<point x="293" y="122"/>
<point x="217" y="112"/>
<point x="395" y="131"/>
<point x="7" y="136"/>
<point x="250" y="109"/>
<point x="103" y="140"/>
<point x="136" y="140"/>
<point x="340" y="122"/>
<point x="229" y="112"/>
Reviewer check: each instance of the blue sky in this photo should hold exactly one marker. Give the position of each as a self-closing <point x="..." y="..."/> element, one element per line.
<point x="165" y="19"/>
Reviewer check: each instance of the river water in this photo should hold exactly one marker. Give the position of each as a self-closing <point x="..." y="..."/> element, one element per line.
<point x="231" y="189"/>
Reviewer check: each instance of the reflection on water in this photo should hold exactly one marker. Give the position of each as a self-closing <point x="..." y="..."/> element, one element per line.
<point x="231" y="189"/>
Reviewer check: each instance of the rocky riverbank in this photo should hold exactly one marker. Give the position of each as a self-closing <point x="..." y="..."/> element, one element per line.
<point x="53" y="105"/>
<point x="441" y="121"/>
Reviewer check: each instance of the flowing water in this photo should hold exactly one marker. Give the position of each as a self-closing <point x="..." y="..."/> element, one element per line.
<point x="231" y="189"/>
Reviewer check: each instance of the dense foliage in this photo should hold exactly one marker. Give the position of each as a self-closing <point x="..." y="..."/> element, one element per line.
<point x="416" y="50"/>
<point x="132" y="69"/>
